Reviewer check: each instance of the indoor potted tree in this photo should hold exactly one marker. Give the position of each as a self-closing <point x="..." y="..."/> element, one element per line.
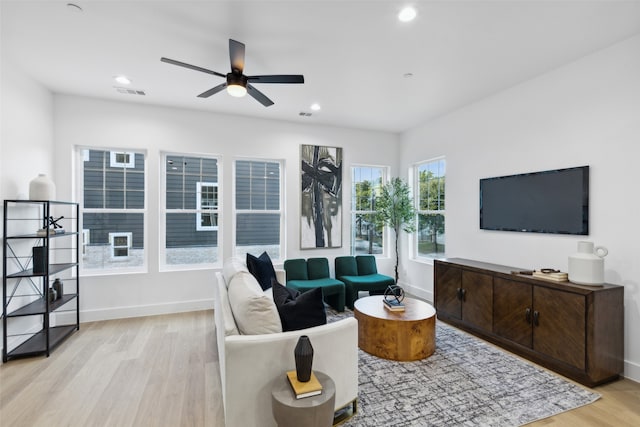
<point x="394" y="209"/>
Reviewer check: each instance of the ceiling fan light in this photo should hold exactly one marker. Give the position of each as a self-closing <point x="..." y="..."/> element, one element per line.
<point x="236" y="90"/>
<point x="407" y="14"/>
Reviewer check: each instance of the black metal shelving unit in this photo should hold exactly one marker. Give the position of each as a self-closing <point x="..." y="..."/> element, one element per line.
<point x="33" y="323"/>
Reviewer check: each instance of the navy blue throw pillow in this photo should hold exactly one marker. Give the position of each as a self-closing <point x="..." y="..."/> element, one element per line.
<point x="300" y="312"/>
<point x="262" y="269"/>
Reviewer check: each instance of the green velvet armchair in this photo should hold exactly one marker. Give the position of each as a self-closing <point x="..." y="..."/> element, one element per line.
<point x="360" y="273"/>
<point x="304" y="275"/>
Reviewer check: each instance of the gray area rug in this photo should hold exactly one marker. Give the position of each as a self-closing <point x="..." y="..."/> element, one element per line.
<point x="466" y="382"/>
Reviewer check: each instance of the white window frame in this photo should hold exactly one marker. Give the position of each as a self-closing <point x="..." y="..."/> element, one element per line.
<point x="114" y="163"/>
<point x="209" y="210"/>
<point x="281" y="211"/>
<point x="385" y="232"/>
<point x="113" y="236"/>
<point x="163" y="211"/>
<point x="86" y="239"/>
<point x="416" y="183"/>
<point x="82" y="155"/>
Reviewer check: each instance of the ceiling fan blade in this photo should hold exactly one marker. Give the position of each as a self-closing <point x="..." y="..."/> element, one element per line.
<point x="236" y="55"/>
<point x="283" y="78"/>
<point x="192" y="67"/>
<point x="259" y="96"/>
<point x="213" y="90"/>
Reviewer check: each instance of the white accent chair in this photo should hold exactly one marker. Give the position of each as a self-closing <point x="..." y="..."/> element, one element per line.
<point x="249" y="363"/>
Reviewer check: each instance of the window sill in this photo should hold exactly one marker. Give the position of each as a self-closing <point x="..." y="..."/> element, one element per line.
<point x="427" y="261"/>
<point x="189" y="267"/>
<point x="98" y="273"/>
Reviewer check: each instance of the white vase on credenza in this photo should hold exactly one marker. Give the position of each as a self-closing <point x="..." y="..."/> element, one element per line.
<point x="42" y="188"/>
<point x="586" y="267"/>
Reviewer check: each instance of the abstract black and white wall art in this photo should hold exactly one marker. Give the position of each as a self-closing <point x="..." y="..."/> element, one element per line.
<point x="321" y="198"/>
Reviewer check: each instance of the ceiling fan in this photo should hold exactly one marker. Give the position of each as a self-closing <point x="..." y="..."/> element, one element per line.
<point x="237" y="83"/>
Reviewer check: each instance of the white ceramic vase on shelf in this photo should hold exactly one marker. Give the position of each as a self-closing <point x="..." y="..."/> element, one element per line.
<point x="586" y="267"/>
<point x="42" y="188"/>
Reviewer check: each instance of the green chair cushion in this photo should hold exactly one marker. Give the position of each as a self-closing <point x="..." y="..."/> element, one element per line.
<point x="296" y="269"/>
<point x="317" y="268"/>
<point x="329" y="286"/>
<point x="366" y="265"/>
<point x="346" y="266"/>
<point x="369" y="281"/>
<point x="377" y="283"/>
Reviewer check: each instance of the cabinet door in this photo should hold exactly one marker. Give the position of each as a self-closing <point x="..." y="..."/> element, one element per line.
<point x="448" y="280"/>
<point x="513" y="310"/>
<point x="477" y="301"/>
<point x="560" y="328"/>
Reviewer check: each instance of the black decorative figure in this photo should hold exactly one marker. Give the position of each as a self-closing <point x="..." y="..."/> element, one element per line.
<point x="394" y="294"/>
<point x="303" y="354"/>
<point x="54" y="222"/>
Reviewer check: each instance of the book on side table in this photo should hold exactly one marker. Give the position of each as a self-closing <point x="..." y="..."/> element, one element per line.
<point x="393" y="305"/>
<point x="308" y="389"/>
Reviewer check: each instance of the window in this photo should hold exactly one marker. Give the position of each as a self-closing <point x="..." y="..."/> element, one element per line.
<point x="121" y="160"/>
<point x="120" y="244"/>
<point x="86" y="238"/>
<point x="366" y="236"/>
<point x="191" y="211"/>
<point x="207" y="203"/>
<point x="113" y="203"/>
<point x="430" y="207"/>
<point x="258" y="208"/>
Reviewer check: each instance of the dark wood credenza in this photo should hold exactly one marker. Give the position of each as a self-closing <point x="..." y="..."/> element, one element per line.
<point x="577" y="331"/>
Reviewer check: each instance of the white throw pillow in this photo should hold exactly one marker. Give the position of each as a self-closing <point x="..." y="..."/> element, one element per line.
<point x="230" y="327"/>
<point x="231" y="267"/>
<point x="255" y="313"/>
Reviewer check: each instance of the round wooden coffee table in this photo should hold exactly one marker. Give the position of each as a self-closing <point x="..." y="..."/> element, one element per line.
<point x="404" y="335"/>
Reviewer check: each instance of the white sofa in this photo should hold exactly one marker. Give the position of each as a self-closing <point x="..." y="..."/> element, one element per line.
<point x="249" y="363"/>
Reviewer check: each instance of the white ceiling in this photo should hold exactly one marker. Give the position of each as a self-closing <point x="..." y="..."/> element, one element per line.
<point x="353" y="54"/>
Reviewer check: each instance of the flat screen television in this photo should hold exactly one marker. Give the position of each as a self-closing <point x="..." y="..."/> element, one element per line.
<point x="554" y="201"/>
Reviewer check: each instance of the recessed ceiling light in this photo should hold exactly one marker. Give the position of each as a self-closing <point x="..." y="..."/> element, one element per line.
<point x="407" y="75"/>
<point x="407" y="14"/>
<point x="315" y="106"/>
<point x="123" y="80"/>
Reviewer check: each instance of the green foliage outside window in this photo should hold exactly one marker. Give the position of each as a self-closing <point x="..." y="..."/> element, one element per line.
<point x="367" y="236"/>
<point x="431" y="206"/>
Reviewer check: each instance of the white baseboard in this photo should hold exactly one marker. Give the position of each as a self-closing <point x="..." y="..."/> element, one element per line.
<point x="420" y="293"/>
<point x="144" y="310"/>
<point x="632" y="371"/>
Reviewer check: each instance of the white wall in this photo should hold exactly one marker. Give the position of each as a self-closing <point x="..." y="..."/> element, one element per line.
<point x="91" y="122"/>
<point x="26" y="136"/>
<point x="585" y="113"/>
<point x="27" y="132"/>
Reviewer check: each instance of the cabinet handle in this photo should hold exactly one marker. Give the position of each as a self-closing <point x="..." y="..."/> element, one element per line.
<point x="536" y="318"/>
<point x="527" y="315"/>
<point x="459" y="294"/>
<point x="464" y="294"/>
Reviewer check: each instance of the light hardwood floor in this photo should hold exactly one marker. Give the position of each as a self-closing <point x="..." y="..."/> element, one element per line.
<point x="162" y="371"/>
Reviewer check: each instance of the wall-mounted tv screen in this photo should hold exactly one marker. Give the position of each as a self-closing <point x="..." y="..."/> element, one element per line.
<point x="555" y="201"/>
